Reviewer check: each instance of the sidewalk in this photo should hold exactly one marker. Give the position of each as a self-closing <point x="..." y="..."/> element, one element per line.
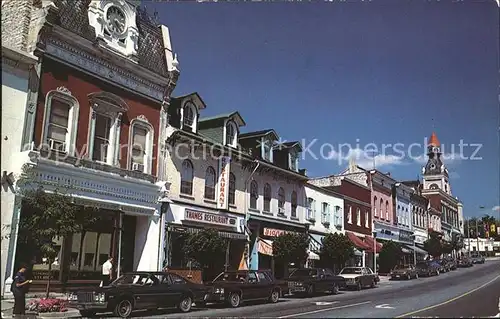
<point x="7" y="306"/>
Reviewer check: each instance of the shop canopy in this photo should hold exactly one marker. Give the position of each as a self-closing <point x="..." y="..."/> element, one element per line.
<point x="265" y="247"/>
<point x="358" y="242"/>
<point x="418" y="250"/>
<point x="371" y="242"/>
<point x="312" y="255"/>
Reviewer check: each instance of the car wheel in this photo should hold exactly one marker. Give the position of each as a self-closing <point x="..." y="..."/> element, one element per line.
<point x="123" y="308"/>
<point x="437" y="272"/>
<point x="374" y="284"/>
<point x="185" y="304"/>
<point x="416" y="276"/>
<point x="234" y="299"/>
<point x="87" y="313"/>
<point x="310" y="290"/>
<point x="275" y="296"/>
<point x="358" y="286"/>
<point x="408" y="277"/>
<point x="335" y="289"/>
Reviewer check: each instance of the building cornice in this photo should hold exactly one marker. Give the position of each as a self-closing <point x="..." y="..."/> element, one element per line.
<point x="325" y="191"/>
<point x="89" y="58"/>
<point x="18" y="58"/>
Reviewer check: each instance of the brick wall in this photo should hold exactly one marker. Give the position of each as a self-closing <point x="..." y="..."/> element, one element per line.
<point x="21" y="22"/>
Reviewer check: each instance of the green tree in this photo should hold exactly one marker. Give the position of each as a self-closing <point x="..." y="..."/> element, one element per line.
<point x="389" y="256"/>
<point x="336" y="249"/>
<point x="446" y="247"/>
<point x="48" y="216"/>
<point x="207" y="249"/>
<point x="291" y="247"/>
<point x="433" y="245"/>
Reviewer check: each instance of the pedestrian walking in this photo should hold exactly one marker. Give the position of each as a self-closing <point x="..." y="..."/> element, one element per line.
<point x="19" y="288"/>
<point x="107" y="271"/>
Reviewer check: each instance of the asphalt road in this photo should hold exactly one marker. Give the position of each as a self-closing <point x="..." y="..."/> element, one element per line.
<point x="466" y="292"/>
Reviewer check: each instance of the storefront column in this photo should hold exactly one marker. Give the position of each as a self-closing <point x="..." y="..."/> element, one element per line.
<point x="254" y="255"/>
<point x="11" y="257"/>
<point x="363" y="259"/>
<point x="120" y="223"/>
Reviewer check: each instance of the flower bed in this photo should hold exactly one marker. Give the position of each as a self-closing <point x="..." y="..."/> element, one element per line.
<point x="47" y="305"/>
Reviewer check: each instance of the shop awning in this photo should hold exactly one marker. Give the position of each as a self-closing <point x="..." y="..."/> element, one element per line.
<point x="312" y="255"/>
<point x="406" y="250"/>
<point x="225" y="234"/>
<point x="417" y="250"/>
<point x="371" y="242"/>
<point x="265" y="247"/>
<point x="358" y="242"/>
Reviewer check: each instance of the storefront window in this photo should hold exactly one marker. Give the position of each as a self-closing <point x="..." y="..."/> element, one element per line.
<point x="88" y="252"/>
<point x="41" y="263"/>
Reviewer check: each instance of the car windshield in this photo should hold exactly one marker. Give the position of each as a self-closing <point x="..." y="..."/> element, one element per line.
<point x="350" y="270"/>
<point x="401" y="267"/>
<point x="135" y="279"/>
<point x="231" y="276"/>
<point x="303" y="273"/>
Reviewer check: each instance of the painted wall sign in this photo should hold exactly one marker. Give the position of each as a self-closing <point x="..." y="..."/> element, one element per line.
<point x="208" y="218"/>
<point x="223" y="184"/>
<point x="271" y="232"/>
<point x="405" y="235"/>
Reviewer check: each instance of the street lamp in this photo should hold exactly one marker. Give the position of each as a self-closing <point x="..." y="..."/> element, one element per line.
<point x="414" y="251"/>
<point x="374" y="251"/>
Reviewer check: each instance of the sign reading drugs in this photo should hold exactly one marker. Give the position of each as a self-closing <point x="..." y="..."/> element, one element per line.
<point x="223" y="184"/>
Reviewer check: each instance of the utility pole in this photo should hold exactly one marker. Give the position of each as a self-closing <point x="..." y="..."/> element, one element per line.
<point x="468" y="235"/>
<point x="477" y="235"/>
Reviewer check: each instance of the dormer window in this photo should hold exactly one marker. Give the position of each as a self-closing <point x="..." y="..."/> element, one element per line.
<point x="189" y="115"/>
<point x="267" y="150"/>
<point x="231" y="134"/>
<point x="293" y="159"/>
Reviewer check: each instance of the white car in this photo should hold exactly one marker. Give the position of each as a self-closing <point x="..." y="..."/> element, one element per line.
<point x="359" y="277"/>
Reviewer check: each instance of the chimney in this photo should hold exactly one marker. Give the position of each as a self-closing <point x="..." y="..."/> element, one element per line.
<point x="388" y="173"/>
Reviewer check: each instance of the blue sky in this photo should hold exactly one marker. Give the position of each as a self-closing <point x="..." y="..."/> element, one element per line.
<point x="381" y="72"/>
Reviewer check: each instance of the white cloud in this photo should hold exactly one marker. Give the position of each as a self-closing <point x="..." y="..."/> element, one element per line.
<point x="496" y="208"/>
<point x="365" y="159"/>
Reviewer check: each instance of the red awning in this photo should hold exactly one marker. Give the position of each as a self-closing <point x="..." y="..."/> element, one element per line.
<point x="370" y="241"/>
<point x="358" y="242"/>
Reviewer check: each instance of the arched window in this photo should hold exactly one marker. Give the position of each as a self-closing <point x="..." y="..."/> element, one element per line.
<point x="210" y="183"/>
<point x="281" y="201"/>
<point x="381" y="210"/>
<point x="293" y="200"/>
<point x="358" y="216"/>
<point x="189" y="116"/>
<point x="232" y="188"/>
<point x="187" y="178"/>
<point x="231" y="133"/>
<point x="375" y="206"/>
<point x="254" y="194"/>
<point x="434" y="186"/>
<point x="387" y="210"/>
<point x="267" y="198"/>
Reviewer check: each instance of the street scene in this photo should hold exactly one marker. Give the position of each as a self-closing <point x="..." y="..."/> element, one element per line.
<point x="286" y="160"/>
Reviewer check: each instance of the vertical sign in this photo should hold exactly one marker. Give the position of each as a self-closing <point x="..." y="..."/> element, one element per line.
<point x="223" y="185"/>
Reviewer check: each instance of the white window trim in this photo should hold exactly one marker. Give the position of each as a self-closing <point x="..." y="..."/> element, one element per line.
<point x="64" y="95"/>
<point x="142" y="122"/>
<point x="113" y="110"/>
<point x="367" y="220"/>
<point x="263" y="143"/>
<point x="349" y="216"/>
<point x="358" y="216"/>
<point x="293" y="156"/>
<point x="234" y="142"/>
<point x="194" y="128"/>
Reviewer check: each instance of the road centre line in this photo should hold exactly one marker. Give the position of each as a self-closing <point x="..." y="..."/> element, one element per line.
<point x="326" y="309"/>
<point x="449" y="300"/>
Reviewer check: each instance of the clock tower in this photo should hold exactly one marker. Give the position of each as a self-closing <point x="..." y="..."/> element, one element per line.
<point x="435" y="174"/>
<point x="115" y="25"/>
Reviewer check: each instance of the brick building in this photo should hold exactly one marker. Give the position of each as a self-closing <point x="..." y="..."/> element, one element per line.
<point x="94" y="128"/>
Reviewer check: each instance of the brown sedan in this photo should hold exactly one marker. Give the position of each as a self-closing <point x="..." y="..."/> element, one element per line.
<point x="404" y="272"/>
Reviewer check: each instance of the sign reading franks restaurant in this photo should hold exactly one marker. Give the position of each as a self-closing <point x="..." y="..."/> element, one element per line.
<point x="223" y="185"/>
<point x="208" y="218"/>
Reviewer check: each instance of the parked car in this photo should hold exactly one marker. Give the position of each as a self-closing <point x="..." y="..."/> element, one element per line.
<point x="312" y="280"/>
<point x="404" y="272"/>
<point x="359" y="277"/>
<point x="477" y="259"/>
<point x="427" y="269"/>
<point x="444" y="265"/>
<point x="235" y="287"/>
<point x="452" y="263"/>
<point x="139" y="290"/>
<point x="465" y="262"/>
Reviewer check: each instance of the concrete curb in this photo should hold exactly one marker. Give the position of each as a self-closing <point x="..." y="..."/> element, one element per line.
<point x="71" y="313"/>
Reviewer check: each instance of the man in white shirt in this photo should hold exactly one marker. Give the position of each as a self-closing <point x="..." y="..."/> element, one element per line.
<point x="107" y="271"/>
